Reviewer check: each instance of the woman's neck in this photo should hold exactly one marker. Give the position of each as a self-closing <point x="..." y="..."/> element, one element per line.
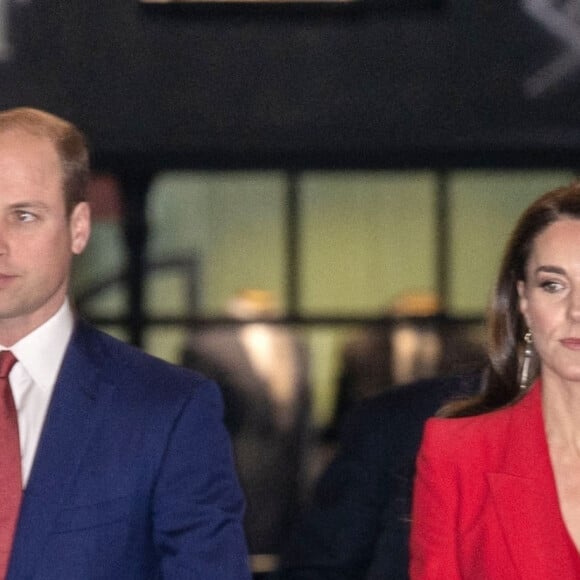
<point x="561" y="410"/>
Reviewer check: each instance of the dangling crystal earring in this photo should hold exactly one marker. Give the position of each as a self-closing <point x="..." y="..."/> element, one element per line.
<point x="527" y="362"/>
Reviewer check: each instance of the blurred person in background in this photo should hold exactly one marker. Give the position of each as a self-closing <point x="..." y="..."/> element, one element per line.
<point x="263" y="369"/>
<point x="357" y="525"/>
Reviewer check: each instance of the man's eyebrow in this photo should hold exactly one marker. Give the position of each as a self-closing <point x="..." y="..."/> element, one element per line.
<point x="29" y="205"/>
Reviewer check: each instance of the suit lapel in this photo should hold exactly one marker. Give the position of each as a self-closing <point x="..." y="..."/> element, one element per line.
<point x="71" y="417"/>
<point x="525" y="497"/>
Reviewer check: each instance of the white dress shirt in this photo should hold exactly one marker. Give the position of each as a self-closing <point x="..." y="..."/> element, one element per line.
<point x="33" y="377"/>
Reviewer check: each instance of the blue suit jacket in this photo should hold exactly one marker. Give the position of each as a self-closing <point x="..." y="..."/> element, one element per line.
<point x="133" y="476"/>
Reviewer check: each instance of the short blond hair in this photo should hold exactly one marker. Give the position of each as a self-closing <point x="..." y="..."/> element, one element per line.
<point x="69" y="141"/>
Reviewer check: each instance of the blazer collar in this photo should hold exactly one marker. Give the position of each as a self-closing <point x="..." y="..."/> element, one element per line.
<point x="72" y="416"/>
<point x="524" y="493"/>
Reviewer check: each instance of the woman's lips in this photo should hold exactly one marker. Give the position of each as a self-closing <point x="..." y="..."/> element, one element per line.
<point x="573" y="343"/>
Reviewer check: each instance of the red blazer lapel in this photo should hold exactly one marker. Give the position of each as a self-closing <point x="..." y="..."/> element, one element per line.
<point x="524" y="494"/>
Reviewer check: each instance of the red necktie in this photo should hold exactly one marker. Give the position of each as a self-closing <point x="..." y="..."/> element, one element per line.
<point x="10" y="463"/>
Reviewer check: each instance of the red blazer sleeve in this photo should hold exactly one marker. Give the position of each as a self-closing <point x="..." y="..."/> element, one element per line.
<point x="434" y="538"/>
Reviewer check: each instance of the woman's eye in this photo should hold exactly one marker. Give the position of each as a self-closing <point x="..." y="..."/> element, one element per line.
<point x="551" y="286"/>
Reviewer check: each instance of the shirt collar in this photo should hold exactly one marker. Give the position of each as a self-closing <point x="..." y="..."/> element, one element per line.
<point x="41" y="352"/>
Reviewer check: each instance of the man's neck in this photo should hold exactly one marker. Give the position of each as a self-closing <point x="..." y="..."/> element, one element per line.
<point x="15" y="329"/>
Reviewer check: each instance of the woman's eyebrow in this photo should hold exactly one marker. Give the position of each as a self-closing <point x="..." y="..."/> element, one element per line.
<point x="550" y="270"/>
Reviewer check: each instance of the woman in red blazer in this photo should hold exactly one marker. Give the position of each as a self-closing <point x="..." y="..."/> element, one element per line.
<point x="497" y="489"/>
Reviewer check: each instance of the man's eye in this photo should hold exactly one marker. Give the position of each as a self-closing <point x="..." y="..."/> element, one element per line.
<point x="25" y="216"/>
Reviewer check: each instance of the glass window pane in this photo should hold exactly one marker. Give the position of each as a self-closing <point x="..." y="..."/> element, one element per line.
<point x="98" y="283"/>
<point x="484" y="208"/>
<point x="366" y="238"/>
<point x="228" y="231"/>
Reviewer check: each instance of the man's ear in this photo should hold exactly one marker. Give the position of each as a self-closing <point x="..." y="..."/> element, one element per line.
<point x="80" y="227"/>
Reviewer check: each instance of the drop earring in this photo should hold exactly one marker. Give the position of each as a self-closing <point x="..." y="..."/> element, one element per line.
<point x="527" y="362"/>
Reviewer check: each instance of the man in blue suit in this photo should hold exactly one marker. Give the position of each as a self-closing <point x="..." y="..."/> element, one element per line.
<point x="126" y="465"/>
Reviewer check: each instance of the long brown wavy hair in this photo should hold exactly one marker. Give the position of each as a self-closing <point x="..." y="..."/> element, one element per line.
<point x="506" y="326"/>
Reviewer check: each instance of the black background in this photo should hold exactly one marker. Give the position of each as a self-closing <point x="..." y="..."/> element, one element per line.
<point x="369" y="84"/>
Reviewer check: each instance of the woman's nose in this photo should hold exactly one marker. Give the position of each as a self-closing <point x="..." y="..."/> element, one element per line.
<point x="574" y="307"/>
